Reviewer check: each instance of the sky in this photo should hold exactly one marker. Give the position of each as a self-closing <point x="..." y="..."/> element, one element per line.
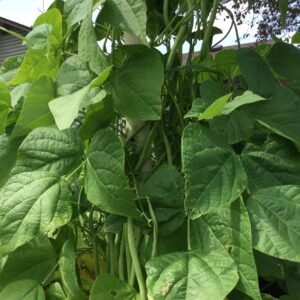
<point x="26" y="11"/>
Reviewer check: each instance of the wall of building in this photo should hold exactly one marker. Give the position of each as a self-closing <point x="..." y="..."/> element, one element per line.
<point x="10" y="45"/>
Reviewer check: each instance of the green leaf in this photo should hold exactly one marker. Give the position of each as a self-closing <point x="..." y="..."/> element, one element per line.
<point x="230" y="229"/>
<point x="68" y="272"/>
<point x="8" y="156"/>
<point x="38" y="37"/>
<point x="38" y="63"/>
<point x="73" y="75"/>
<point x="296" y="38"/>
<point x="52" y="17"/>
<point x="165" y="189"/>
<point x="32" y="203"/>
<point x="206" y="166"/>
<point x="191" y="275"/>
<point x="129" y="15"/>
<point x="19" y="92"/>
<point x="35" y="111"/>
<point x="4" y="105"/>
<point x="285" y="59"/>
<point x="274" y="213"/>
<point x="88" y="47"/>
<point x="9" y="67"/>
<point x="247" y="98"/>
<point x="271" y="164"/>
<point x="256" y="72"/>
<point x="136" y="89"/>
<point x="66" y="108"/>
<point x="111" y="288"/>
<point x="281" y="114"/>
<point x="45" y="61"/>
<point x="226" y="62"/>
<point x="211" y="90"/>
<point x="48" y="149"/>
<point x="237" y="126"/>
<point x="36" y="261"/>
<point x="198" y="106"/>
<point x="216" y="108"/>
<point x="98" y="116"/>
<point x="77" y="10"/>
<point x="105" y="183"/>
<point x="55" y="292"/>
<point x="23" y="289"/>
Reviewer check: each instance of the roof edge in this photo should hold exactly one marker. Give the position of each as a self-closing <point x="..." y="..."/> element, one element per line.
<point x="14" y="24"/>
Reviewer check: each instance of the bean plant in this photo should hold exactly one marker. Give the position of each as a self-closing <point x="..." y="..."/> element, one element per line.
<point x="131" y="171"/>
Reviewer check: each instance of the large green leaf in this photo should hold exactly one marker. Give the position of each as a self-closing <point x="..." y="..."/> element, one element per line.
<point x="165" y="189"/>
<point x="247" y="98"/>
<point x="52" y="17"/>
<point x="8" y="156"/>
<point x="285" y="60"/>
<point x="55" y="292"/>
<point x="4" y="105"/>
<point x="66" y="108"/>
<point x="23" y="289"/>
<point x="77" y="10"/>
<point x="32" y="203"/>
<point x="256" y="72"/>
<point x="35" y="111"/>
<point x="109" y="287"/>
<point x="271" y="164"/>
<point x="281" y="114"/>
<point x="45" y="61"/>
<point x="137" y="89"/>
<point x="73" y="75"/>
<point x="48" y="149"/>
<point x="274" y="213"/>
<point x="67" y="265"/>
<point x="106" y="184"/>
<point x="207" y="165"/>
<point x="88" y="47"/>
<point x="191" y="275"/>
<point x="128" y="15"/>
<point x="215" y="109"/>
<point x="36" y="260"/>
<point x="230" y="229"/>
<point x="237" y="127"/>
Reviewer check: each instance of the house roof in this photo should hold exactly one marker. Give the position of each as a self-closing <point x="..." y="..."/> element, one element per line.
<point x="13" y="25"/>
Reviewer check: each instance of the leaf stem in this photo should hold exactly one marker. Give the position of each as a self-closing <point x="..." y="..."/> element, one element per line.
<point x="76" y="170"/>
<point x="135" y="260"/>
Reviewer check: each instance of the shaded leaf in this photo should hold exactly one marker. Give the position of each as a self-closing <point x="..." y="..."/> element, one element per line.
<point x="105" y="182"/>
<point x="32" y="203"/>
<point x="111" y="288"/>
<point x="256" y="72"/>
<point x="274" y="213"/>
<point x="128" y="15"/>
<point x="136" y="89"/>
<point x="48" y="149"/>
<point x="206" y="170"/>
<point x="35" y="111"/>
<point x="190" y="275"/>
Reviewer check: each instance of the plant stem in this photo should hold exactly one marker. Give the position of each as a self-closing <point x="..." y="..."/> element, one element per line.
<point x="207" y="35"/>
<point x="167" y="146"/>
<point x="121" y="257"/>
<point x="135" y="260"/>
<point x="155" y="229"/>
<point x="189" y="234"/>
